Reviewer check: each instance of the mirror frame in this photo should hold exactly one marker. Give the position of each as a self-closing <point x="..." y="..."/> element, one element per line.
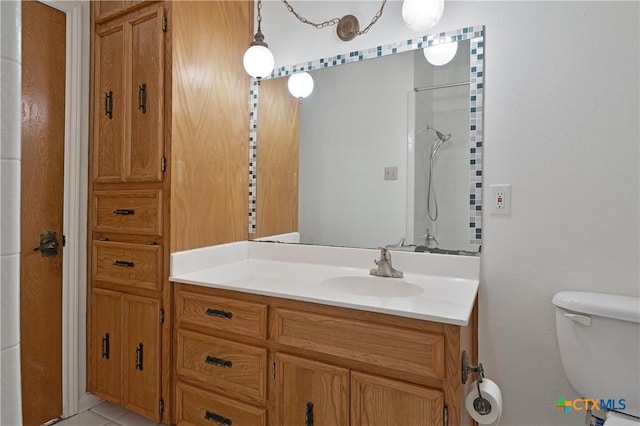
<point x="475" y="34"/>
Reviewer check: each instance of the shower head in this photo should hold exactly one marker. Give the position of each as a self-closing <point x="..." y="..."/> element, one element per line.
<point x="442" y="137"/>
<point x="439" y="134"/>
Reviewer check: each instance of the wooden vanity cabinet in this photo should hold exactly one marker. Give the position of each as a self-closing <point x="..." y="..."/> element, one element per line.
<point x="335" y="366"/>
<point x="167" y="172"/>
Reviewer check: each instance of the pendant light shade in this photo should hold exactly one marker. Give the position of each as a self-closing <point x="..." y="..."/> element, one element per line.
<point x="258" y="61"/>
<point x="300" y="84"/>
<point x="440" y="54"/>
<point x="422" y="15"/>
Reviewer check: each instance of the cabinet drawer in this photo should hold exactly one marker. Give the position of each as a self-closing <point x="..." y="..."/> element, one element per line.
<point x="408" y="351"/>
<point x="235" y="316"/>
<point x="229" y="366"/>
<point x="128" y="212"/>
<point x="130" y="264"/>
<point x="197" y="407"/>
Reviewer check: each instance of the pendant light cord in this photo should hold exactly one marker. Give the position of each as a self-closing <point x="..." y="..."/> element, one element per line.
<point x="334" y="21"/>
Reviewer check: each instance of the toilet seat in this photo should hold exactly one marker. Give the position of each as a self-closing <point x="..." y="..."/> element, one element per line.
<point x="619" y="419"/>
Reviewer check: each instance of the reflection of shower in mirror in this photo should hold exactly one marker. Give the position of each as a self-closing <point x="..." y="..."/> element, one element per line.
<point x="432" y="200"/>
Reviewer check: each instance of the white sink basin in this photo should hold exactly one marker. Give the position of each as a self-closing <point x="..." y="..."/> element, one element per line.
<point x="372" y="286"/>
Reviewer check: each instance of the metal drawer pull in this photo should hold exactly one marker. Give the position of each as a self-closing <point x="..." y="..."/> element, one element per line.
<point x="218" y="313"/>
<point x="108" y="104"/>
<point x="217" y="418"/>
<point x="219" y="362"/>
<point x="140" y="357"/>
<point x="124" y="264"/>
<point x="105" y="346"/>
<point x="308" y="417"/>
<point x="142" y="98"/>
<point x="124" y="212"/>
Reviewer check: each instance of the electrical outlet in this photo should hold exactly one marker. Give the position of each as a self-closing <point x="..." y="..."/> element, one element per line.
<point x="390" y="173"/>
<point x="500" y="201"/>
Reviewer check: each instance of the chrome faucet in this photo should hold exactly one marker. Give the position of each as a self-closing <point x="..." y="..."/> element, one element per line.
<point x="384" y="268"/>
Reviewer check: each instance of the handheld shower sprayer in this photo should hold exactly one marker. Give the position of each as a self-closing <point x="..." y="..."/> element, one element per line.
<point x="432" y="202"/>
<point x="439" y="134"/>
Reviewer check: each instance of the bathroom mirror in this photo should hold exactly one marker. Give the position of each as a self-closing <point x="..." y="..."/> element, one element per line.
<point x="388" y="147"/>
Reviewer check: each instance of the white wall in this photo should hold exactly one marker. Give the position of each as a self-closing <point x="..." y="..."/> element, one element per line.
<point x="345" y="153"/>
<point x="561" y="126"/>
<point x="10" y="402"/>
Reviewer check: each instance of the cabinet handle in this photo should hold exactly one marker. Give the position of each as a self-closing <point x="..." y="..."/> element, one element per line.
<point x="108" y="104"/>
<point x="124" y="212"/>
<point x="140" y="357"/>
<point x="124" y="264"/>
<point x="105" y="346"/>
<point x="308" y="417"/>
<point x="218" y="362"/>
<point x="217" y="418"/>
<point x="142" y="98"/>
<point x="218" y="313"/>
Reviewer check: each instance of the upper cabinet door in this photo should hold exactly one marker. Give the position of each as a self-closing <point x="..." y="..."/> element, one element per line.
<point x="128" y="134"/>
<point x="109" y="98"/>
<point x="146" y="100"/>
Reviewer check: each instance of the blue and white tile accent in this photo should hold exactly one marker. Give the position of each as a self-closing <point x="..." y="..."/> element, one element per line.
<point x="476" y="92"/>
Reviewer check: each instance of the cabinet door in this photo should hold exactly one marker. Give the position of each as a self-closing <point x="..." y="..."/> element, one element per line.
<point x="376" y="401"/>
<point x="109" y="103"/>
<point x="144" y="146"/>
<point x="106" y="345"/>
<point x="311" y="393"/>
<point x="142" y="355"/>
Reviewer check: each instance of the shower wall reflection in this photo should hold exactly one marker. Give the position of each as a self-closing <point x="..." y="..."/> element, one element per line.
<point x="439" y="215"/>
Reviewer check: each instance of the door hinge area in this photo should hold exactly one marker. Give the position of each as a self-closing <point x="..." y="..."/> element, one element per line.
<point x="163" y="164"/>
<point x="164" y="23"/>
<point x="162" y="316"/>
<point x="161" y="407"/>
<point x="64" y="240"/>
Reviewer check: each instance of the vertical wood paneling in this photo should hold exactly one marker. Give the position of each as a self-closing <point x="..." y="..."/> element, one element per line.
<point x="209" y="136"/>
<point x="277" y="179"/>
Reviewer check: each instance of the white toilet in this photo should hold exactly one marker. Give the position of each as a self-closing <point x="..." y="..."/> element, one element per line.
<point x="599" y="339"/>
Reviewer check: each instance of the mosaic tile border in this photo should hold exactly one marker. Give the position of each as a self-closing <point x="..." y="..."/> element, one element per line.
<point x="474" y="33"/>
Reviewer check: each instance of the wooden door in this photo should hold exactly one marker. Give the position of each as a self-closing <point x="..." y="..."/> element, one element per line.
<point x="144" y="144"/>
<point x="42" y="197"/>
<point x="109" y="108"/>
<point x="142" y="356"/>
<point x="106" y="343"/>
<point x="376" y="401"/>
<point x="308" y="389"/>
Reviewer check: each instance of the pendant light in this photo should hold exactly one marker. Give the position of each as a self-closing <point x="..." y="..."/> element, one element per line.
<point x="258" y="60"/>
<point x="300" y="85"/>
<point x="422" y="15"/>
<point x="441" y="54"/>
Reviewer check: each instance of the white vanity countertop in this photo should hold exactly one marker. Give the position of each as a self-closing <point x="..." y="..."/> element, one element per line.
<point x="435" y="287"/>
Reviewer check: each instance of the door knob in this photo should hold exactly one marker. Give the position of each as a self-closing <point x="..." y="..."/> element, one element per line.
<point x="48" y="244"/>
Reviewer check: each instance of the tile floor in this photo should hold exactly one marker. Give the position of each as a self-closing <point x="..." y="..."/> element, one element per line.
<point x="106" y="414"/>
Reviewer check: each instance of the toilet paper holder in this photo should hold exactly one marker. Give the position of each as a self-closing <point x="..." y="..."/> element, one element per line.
<point x="480" y="404"/>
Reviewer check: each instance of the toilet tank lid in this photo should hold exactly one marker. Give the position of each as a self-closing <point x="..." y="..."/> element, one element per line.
<point x="625" y="308"/>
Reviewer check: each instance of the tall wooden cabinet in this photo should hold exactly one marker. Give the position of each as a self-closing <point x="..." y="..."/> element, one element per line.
<point x="168" y="172"/>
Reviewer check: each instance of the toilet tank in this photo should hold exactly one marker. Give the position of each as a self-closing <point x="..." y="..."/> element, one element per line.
<point x="599" y="340"/>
